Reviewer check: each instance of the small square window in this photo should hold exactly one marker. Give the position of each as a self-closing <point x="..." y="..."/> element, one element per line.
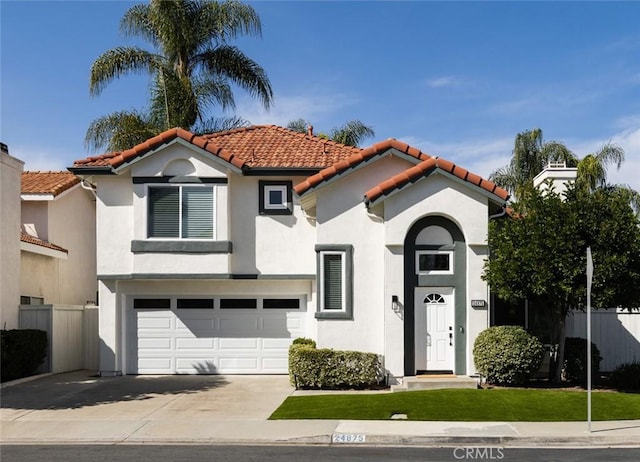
<point x="275" y="198"/>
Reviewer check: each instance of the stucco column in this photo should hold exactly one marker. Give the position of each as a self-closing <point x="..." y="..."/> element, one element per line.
<point x="109" y="328"/>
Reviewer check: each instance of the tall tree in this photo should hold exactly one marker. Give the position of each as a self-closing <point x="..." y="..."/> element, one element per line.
<point x="351" y="133"/>
<point x="191" y="63"/>
<point x="530" y="156"/>
<point x="540" y="255"/>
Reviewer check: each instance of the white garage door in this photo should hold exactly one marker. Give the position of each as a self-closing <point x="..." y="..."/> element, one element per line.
<point x="223" y="335"/>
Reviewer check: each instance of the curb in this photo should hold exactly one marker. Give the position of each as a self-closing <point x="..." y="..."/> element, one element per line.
<point x="24" y="380"/>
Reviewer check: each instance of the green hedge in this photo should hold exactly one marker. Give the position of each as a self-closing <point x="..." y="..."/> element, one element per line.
<point x="574" y="368"/>
<point x="332" y="369"/>
<point x="22" y="352"/>
<point x="507" y="355"/>
<point x="626" y="377"/>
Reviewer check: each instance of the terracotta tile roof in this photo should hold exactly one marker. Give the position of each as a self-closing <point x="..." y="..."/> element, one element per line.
<point x="270" y="146"/>
<point x="24" y="237"/>
<point x="52" y="183"/>
<point x="258" y="146"/>
<point x="424" y="169"/>
<point x="356" y="159"/>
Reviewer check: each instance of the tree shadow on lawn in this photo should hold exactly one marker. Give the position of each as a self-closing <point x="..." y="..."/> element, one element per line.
<point x="82" y="388"/>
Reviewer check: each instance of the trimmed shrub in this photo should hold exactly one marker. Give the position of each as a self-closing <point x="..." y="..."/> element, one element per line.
<point x="332" y="369"/>
<point x="626" y="377"/>
<point x="507" y="355"/>
<point x="304" y="341"/>
<point x="574" y="368"/>
<point x="23" y="350"/>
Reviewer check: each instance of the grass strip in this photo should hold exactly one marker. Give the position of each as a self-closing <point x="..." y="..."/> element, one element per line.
<point x="464" y="405"/>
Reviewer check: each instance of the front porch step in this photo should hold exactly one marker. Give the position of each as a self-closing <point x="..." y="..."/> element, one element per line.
<point x="435" y="383"/>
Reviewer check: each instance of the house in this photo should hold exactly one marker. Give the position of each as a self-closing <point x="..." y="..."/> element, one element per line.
<point x="215" y="251"/>
<point x="57" y="240"/>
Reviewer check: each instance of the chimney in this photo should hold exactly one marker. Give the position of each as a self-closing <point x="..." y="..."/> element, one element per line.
<point x="310" y="130"/>
<point x="4" y="148"/>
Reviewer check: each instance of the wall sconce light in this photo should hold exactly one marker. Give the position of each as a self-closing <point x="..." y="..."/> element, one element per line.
<point x="395" y="304"/>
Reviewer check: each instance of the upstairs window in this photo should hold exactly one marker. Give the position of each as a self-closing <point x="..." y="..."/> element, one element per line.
<point x="275" y="198"/>
<point x="181" y="212"/>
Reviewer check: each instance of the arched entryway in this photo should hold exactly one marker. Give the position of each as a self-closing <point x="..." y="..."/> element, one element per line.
<point x="434" y="293"/>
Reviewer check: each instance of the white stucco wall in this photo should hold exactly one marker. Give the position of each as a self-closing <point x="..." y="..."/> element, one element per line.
<point x="114" y="221"/>
<point x="267" y="244"/>
<point x="436" y="195"/>
<point x="72" y="225"/>
<point x="343" y="219"/>
<point x="10" y="178"/>
<point x="36" y="214"/>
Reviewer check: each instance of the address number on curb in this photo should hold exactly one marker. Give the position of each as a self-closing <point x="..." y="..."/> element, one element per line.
<point x="348" y="438"/>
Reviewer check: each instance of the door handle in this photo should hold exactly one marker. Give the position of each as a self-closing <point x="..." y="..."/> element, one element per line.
<point x="450" y="339"/>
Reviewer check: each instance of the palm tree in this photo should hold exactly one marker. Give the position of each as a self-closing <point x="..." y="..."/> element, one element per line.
<point x="530" y="156"/>
<point x="192" y="66"/>
<point x="351" y="133"/>
<point x="592" y="173"/>
<point x="592" y="168"/>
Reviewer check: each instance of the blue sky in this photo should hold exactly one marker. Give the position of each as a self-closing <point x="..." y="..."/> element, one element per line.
<point x="455" y="79"/>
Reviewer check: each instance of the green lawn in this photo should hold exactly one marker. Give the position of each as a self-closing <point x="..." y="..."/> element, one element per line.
<point x="464" y="405"/>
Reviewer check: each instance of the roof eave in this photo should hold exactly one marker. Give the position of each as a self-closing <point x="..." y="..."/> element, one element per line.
<point x="177" y="140"/>
<point x="437" y="170"/>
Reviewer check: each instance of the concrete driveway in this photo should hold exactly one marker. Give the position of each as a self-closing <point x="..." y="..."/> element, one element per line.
<point x="83" y="396"/>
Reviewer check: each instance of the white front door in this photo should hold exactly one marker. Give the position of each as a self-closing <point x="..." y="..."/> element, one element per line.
<point x="434" y="328"/>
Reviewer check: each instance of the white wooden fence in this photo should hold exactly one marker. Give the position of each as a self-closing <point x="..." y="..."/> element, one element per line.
<point x="615" y="332"/>
<point x="72" y="332"/>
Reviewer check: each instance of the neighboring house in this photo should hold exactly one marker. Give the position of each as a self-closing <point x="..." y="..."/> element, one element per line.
<point x="10" y="171"/>
<point x="215" y="251"/>
<point x="57" y="240"/>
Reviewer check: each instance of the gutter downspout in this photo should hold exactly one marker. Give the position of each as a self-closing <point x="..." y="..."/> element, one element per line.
<point x="89" y="187"/>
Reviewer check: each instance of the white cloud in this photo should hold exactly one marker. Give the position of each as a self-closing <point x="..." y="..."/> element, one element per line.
<point x="445" y="81"/>
<point x="37" y="158"/>
<point x="317" y="107"/>
<point x="480" y="156"/>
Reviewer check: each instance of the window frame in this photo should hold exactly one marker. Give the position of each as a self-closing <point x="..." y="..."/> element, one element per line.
<point x="449" y="253"/>
<point x="266" y="208"/>
<point x="180" y="186"/>
<point x="346" y="252"/>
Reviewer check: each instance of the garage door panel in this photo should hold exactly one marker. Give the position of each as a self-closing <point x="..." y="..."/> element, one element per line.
<point x="149" y="322"/>
<point x="238" y="325"/>
<point x="214" y="341"/>
<point x="276" y="343"/>
<point x="154" y="343"/>
<point x="154" y="364"/>
<point x="194" y="343"/>
<point x="238" y="344"/>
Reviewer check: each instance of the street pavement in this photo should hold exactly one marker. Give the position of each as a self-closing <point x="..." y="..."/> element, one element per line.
<point x="82" y="408"/>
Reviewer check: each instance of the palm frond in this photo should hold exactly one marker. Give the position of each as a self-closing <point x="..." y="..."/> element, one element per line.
<point x="219" y="124"/>
<point x="298" y="125"/>
<point x="119" y="131"/>
<point x="226" y="20"/>
<point x="231" y="63"/>
<point x="118" y="61"/>
<point x="136" y="23"/>
<point x="351" y="133"/>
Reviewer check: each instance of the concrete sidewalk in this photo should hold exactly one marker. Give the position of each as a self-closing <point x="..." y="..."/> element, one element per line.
<point x="76" y="408"/>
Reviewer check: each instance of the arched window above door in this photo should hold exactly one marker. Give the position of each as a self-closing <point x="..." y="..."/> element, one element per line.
<point x="434" y="298"/>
